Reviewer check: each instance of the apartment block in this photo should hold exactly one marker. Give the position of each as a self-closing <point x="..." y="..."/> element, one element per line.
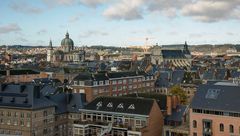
<point x="215" y="110"/>
<point x="120" y="116"/>
<point x="112" y="83"/>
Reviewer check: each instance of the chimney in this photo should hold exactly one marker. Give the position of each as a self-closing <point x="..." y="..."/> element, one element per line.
<point x="169" y="104"/>
<point x="2" y="87"/>
<point x="7" y="72"/>
<point x="36" y="91"/>
<point x="174" y="102"/>
<point x="69" y="97"/>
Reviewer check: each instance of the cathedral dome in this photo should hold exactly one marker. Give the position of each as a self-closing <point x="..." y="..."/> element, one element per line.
<point x="67" y="43"/>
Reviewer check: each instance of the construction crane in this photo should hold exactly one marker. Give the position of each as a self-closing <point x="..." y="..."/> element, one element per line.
<point x="146" y="45"/>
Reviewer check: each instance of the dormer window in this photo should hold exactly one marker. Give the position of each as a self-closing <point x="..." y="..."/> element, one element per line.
<point x="110" y="105"/>
<point x="26" y="100"/>
<point x="75" y="83"/>
<point x="99" y="104"/>
<point x="81" y="83"/>
<point x="95" y="83"/>
<point x="120" y="105"/>
<point x="131" y="107"/>
<point x="107" y="82"/>
<point x="13" y="100"/>
<point x="100" y="82"/>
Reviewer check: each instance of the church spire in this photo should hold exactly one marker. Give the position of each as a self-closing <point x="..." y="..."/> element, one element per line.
<point x="186" y="46"/>
<point x="50" y="44"/>
<point x="67" y="35"/>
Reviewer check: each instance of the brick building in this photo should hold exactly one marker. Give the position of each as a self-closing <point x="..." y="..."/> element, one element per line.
<point x="120" y="116"/>
<point x="215" y="110"/>
<point x="112" y="83"/>
<point x="21" y="75"/>
<point x="25" y="111"/>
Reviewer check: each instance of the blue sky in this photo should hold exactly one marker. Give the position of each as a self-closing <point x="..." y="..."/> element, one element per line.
<point x="119" y="22"/>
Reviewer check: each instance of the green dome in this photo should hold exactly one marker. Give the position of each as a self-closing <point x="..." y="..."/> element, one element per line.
<point x="67" y="41"/>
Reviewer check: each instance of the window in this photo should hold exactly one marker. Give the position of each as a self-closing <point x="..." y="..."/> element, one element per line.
<point x="120" y="106"/>
<point x="119" y="88"/>
<point x="194" y="134"/>
<point x="139" y="79"/>
<point x="95" y="83"/>
<point x="231" y="129"/>
<point x="114" y="88"/>
<point x="134" y="80"/>
<point x="119" y="81"/>
<point x="131" y="107"/>
<point x="194" y="124"/>
<point x="110" y="105"/>
<point x="75" y="82"/>
<point x="44" y="113"/>
<point x="100" y="82"/>
<point x="81" y="83"/>
<point x="124" y="81"/>
<point x="21" y="122"/>
<point x="106" y="82"/>
<point x="130" y="81"/>
<point x="95" y="91"/>
<point x="221" y="127"/>
<point x="22" y="115"/>
<point x="114" y="82"/>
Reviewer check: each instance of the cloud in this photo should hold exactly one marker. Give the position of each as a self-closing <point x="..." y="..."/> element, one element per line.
<point x="93" y="33"/>
<point x="42" y="31"/>
<point x="135" y="9"/>
<point x="93" y="3"/>
<point x="9" y="28"/>
<point x="125" y="10"/>
<point x="200" y="10"/>
<point x="212" y="10"/>
<point x="89" y="3"/>
<point x="53" y="3"/>
<point x="25" y="8"/>
<point x="167" y="8"/>
<point x="74" y="18"/>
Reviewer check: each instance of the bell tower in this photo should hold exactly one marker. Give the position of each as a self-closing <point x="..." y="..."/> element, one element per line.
<point x="50" y="51"/>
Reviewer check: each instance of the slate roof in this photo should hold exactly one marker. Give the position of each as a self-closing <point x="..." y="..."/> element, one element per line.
<point x="19" y="72"/>
<point x="106" y="76"/>
<point x="68" y="102"/>
<point x="139" y="106"/>
<point x="163" y="80"/>
<point x="217" y="97"/>
<point x="160" y="99"/>
<point x="177" y="114"/>
<point x="177" y="76"/>
<point x="23" y="96"/>
<point x="173" y="54"/>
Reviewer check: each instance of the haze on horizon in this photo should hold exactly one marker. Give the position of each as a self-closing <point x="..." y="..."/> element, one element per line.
<point x="119" y="22"/>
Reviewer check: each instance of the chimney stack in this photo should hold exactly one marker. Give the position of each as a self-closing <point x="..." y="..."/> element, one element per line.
<point x="36" y="91"/>
<point x="169" y="104"/>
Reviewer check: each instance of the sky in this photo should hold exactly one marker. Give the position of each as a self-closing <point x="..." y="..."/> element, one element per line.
<point x="119" y="22"/>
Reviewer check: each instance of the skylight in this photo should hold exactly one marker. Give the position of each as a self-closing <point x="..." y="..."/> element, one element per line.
<point x="131" y="107"/>
<point x="99" y="104"/>
<point x="120" y="105"/>
<point x="212" y="93"/>
<point x="110" y="105"/>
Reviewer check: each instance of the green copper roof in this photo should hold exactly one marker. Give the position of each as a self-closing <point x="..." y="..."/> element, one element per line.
<point x="67" y="41"/>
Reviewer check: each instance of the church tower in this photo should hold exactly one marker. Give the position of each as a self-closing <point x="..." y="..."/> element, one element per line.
<point x="50" y="52"/>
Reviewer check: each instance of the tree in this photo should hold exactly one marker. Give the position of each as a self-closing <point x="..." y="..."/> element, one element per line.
<point x="177" y="90"/>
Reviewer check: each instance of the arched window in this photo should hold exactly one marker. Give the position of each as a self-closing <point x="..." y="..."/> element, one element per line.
<point x="194" y="124"/>
<point x="221" y="127"/>
<point x="231" y="129"/>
